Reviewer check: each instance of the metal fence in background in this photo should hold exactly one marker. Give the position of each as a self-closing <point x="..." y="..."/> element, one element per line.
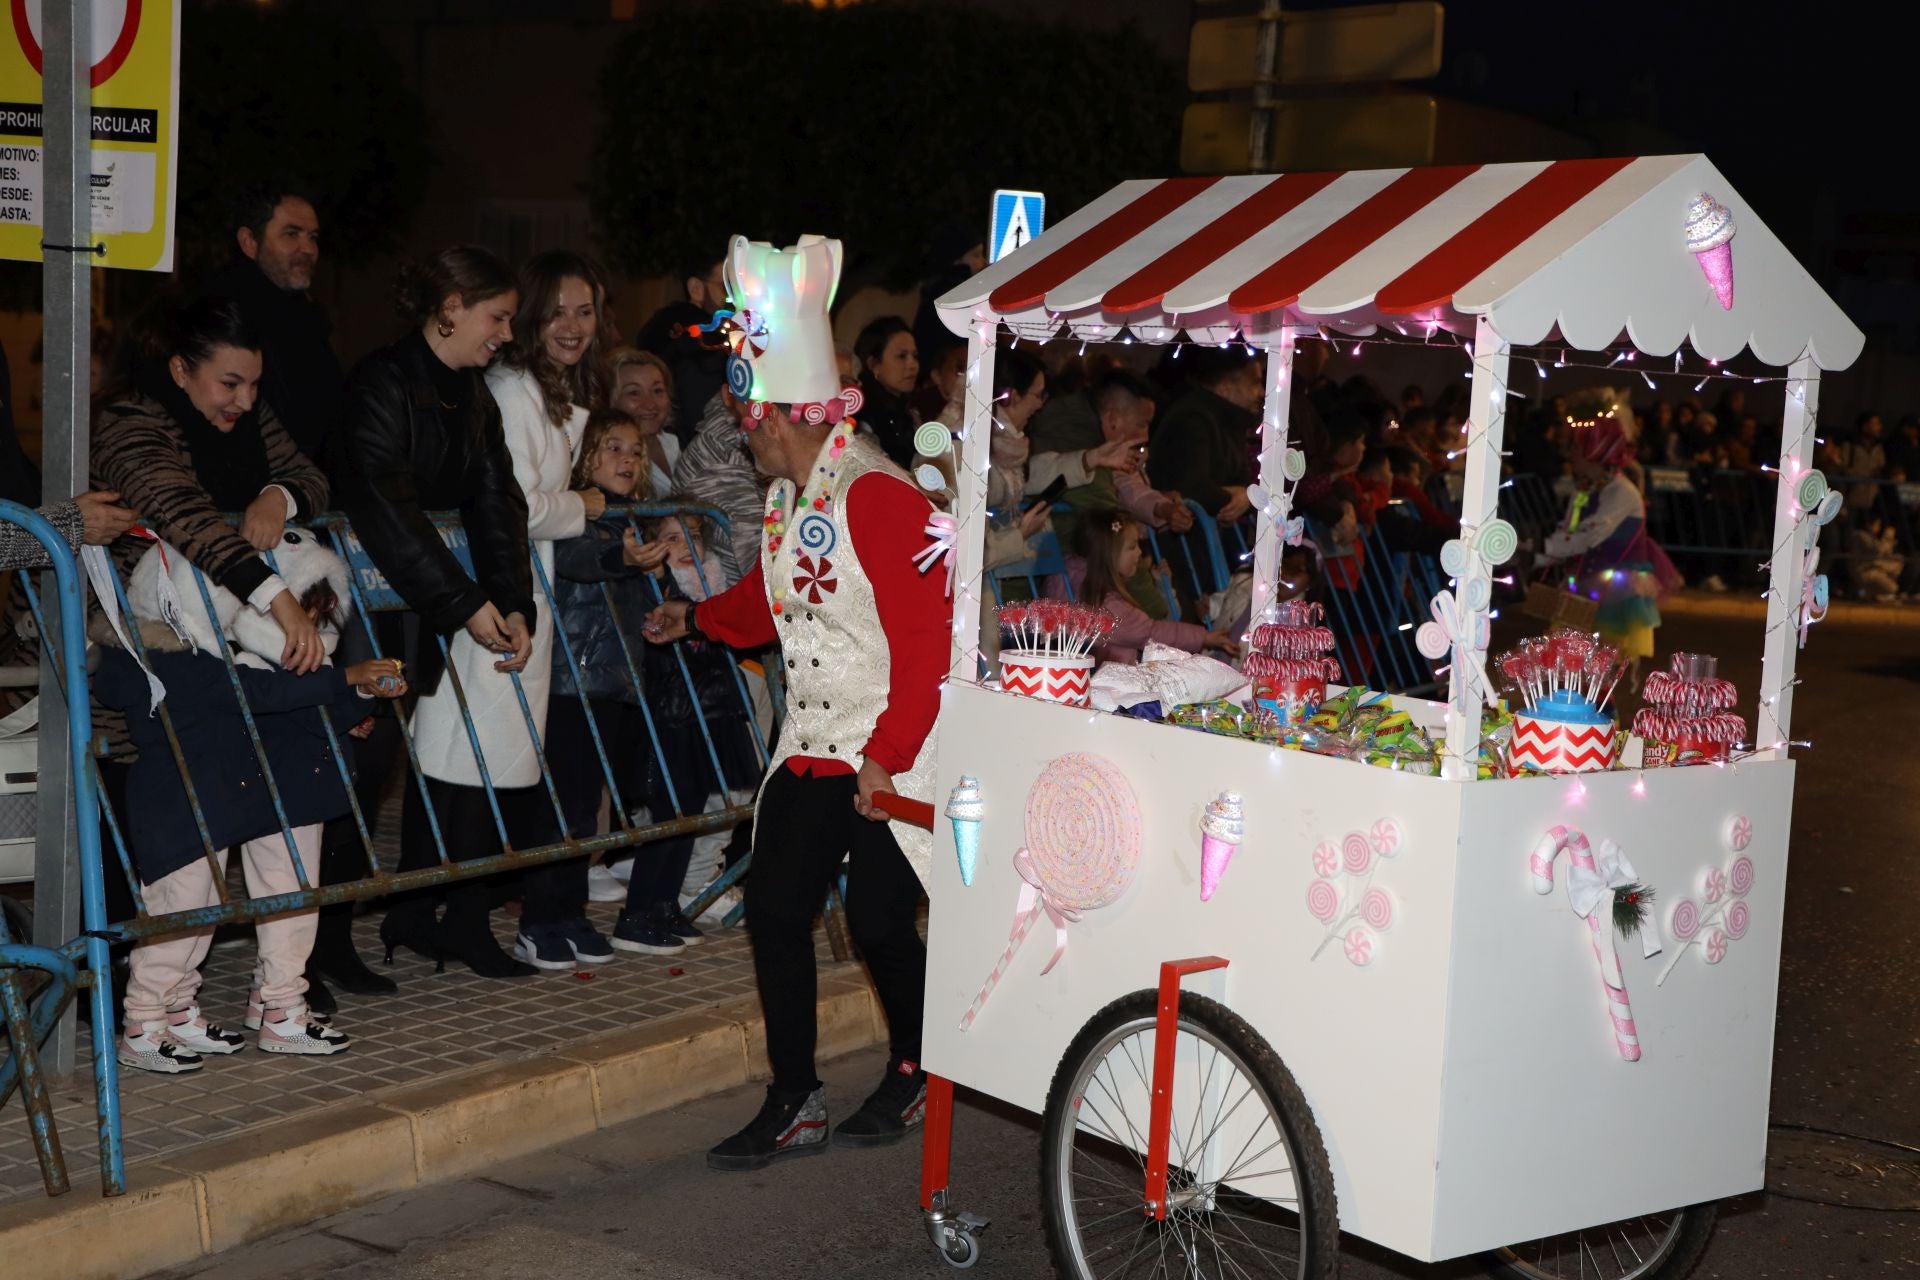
<point x="84" y="962"/>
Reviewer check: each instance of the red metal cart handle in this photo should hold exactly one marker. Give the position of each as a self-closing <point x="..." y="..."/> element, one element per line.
<point x="916" y="813"/>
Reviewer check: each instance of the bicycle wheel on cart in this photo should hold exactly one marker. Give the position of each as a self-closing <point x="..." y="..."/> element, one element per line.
<point x="1659" y="1246"/>
<point x="1249" y="1192"/>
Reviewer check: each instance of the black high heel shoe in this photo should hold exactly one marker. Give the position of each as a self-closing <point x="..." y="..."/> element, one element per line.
<point x="412" y="926"/>
<point x="463" y="934"/>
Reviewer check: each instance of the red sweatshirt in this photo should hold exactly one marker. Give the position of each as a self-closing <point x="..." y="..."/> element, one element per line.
<point x="887" y="519"/>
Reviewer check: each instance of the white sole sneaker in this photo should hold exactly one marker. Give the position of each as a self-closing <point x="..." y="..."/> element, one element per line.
<point x="156" y="1054"/>
<point x="310" y="1039"/>
<point x="525" y="952"/>
<point x="604" y="886"/>
<point x="197" y="1035"/>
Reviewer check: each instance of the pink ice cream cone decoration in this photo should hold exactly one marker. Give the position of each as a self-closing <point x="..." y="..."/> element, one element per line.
<point x="1221" y="830"/>
<point x="1710" y="232"/>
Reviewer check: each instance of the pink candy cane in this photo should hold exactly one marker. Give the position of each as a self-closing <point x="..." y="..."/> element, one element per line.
<point x="1573" y="842"/>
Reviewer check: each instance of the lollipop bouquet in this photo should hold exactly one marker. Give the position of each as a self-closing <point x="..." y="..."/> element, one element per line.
<point x="1050" y="650"/>
<point x="1289" y="666"/>
<point x="1687" y="718"/>
<point x="1561" y="681"/>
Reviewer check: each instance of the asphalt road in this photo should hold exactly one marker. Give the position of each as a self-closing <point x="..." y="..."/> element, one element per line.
<point x="637" y="1202"/>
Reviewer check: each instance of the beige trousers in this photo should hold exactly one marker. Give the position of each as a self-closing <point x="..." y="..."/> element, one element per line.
<point x="165" y="971"/>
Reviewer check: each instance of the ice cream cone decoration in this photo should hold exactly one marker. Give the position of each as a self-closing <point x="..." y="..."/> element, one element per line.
<point x="1710" y="232"/>
<point x="965" y="808"/>
<point x="1221" y="830"/>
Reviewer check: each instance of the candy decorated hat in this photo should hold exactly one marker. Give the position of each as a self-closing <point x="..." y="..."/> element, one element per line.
<point x="779" y="330"/>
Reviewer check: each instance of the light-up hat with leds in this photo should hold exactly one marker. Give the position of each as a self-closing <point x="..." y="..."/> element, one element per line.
<point x="779" y="331"/>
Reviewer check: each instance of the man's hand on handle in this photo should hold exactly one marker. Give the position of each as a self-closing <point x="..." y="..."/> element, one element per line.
<point x="872" y="779"/>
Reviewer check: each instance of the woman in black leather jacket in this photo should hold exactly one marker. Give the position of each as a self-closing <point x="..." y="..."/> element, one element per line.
<point x="423" y="434"/>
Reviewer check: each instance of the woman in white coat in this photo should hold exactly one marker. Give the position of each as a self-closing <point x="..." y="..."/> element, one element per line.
<point x="544" y="383"/>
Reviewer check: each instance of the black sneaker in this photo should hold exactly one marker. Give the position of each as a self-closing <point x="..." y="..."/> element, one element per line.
<point x="643" y="933"/>
<point x="784" y="1127"/>
<point x="544" y="946"/>
<point x="588" y="944"/>
<point x="899" y="1104"/>
<point x="668" y="918"/>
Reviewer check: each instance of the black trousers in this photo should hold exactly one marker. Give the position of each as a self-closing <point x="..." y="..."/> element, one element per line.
<point x="559" y="890"/>
<point x="806" y="825"/>
<point x="467" y="827"/>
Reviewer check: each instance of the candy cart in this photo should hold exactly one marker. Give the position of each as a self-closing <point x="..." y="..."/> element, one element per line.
<point x="1260" y="995"/>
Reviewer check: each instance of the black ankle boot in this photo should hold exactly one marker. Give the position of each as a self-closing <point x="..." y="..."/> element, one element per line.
<point x="464" y="935"/>
<point x="319" y="999"/>
<point x="335" y="958"/>
<point x="410" y="923"/>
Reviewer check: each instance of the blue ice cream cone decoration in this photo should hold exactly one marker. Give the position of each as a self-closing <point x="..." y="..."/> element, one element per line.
<point x="965" y="809"/>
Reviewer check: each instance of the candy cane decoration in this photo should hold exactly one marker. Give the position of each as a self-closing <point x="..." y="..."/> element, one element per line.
<point x="1619" y="1012"/>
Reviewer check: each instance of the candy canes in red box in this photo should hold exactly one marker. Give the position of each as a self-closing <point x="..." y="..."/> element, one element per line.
<point x="1687" y="718"/>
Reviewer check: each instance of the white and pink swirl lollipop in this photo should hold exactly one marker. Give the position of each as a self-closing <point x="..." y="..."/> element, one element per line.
<point x="1376" y="908"/>
<point x="1323" y="899"/>
<point x="1716" y="947"/>
<point x="1356" y="853"/>
<point x="1359" y="948"/>
<point x="1739" y="832"/>
<point x="1740" y="876"/>
<point x="1326" y="859"/>
<point x="1738" y="918"/>
<point x="1713" y="885"/>
<point x="1386" y="837"/>
<point x="1684" y="921"/>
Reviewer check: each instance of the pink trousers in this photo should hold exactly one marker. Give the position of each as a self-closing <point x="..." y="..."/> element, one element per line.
<point x="165" y="975"/>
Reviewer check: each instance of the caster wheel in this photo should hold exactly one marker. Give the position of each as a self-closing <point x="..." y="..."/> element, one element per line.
<point x="961" y="1251"/>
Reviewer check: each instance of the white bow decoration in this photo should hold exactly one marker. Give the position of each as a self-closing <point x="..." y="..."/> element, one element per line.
<point x="1454" y="628"/>
<point x="1590" y="891"/>
<point x="944" y="534"/>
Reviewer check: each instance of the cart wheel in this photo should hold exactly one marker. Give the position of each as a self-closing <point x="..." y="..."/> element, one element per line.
<point x="961" y="1251"/>
<point x="1248" y="1188"/>
<point x="1660" y="1246"/>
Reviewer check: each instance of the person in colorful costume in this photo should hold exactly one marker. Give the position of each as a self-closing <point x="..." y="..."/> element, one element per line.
<point x="864" y="637"/>
<point x="1604" y="535"/>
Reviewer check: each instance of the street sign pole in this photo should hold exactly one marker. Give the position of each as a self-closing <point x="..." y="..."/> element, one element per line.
<point x="67" y="257"/>
<point x="1266" y="71"/>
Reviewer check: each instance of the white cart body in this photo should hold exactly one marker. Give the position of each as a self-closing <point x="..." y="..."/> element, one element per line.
<point x="1466" y="1079"/>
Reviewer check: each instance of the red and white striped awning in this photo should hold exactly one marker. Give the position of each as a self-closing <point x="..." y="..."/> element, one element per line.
<point x="1585" y="252"/>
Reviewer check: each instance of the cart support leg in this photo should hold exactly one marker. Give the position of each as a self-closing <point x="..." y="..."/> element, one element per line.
<point x="936" y="1140"/>
<point x="1160" y="1114"/>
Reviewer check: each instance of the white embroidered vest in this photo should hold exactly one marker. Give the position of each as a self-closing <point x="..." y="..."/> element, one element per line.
<point x="833" y="652"/>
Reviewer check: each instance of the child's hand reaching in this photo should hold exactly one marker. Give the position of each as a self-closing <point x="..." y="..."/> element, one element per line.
<point x="649" y="555"/>
<point x="1221" y="641"/>
<point x="378" y="677"/>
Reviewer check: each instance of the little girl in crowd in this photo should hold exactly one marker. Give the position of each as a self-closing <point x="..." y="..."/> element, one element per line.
<point x="1108" y="554"/>
<point x="604" y="590"/>
<point x="165" y="1030"/>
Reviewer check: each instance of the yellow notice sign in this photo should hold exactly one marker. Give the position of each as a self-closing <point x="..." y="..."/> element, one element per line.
<point x="136" y="99"/>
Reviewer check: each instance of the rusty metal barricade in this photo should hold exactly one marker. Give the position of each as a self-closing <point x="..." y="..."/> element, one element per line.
<point x="84" y="962"/>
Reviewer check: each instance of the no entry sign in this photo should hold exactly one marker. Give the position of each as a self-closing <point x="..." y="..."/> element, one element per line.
<point x="135" y="100"/>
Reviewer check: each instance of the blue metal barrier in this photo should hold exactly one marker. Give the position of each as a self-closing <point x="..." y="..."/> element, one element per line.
<point x="28" y="1024"/>
<point x="26" y="1031"/>
<point x="1373" y="620"/>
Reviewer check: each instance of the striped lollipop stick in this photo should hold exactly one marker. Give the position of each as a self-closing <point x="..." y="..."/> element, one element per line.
<point x="1574" y="843"/>
<point x="1034" y="903"/>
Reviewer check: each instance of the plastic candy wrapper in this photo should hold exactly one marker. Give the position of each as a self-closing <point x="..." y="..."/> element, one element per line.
<point x="1165" y="675"/>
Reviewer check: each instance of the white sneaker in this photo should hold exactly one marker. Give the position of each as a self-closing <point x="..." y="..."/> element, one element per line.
<point x="623" y="869"/>
<point x="295" y="1031"/>
<point x="155" y="1050"/>
<point x="1712" y="582"/>
<point x="256" y="1012"/>
<point x="715" y="916"/>
<point x="192" y="1030"/>
<point x="604" y="886"/>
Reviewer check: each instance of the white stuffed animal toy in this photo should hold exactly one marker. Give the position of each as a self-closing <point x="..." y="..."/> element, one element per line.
<point x="162" y="588"/>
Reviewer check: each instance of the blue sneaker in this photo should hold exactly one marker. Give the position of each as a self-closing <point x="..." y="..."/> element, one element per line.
<point x="641" y="932"/>
<point x="544" y="947"/>
<point x="668" y="918"/>
<point x="589" y="945"/>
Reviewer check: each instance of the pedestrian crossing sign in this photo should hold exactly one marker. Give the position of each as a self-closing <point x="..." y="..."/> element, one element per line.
<point x="1018" y="216"/>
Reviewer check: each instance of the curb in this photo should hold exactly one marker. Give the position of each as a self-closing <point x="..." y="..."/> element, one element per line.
<point x="182" y="1207"/>
<point x="1744" y="607"/>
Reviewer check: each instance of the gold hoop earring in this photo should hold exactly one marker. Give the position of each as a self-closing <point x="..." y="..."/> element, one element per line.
<point x="445" y="327"/>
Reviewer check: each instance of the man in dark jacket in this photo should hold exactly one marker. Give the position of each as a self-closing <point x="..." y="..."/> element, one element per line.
<point x="699" y="367"/>
<point x="277" y="245"/>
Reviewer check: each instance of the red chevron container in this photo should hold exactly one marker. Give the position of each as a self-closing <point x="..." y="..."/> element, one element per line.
<point x="1542" y="745"/>
<point x="1047" y="676"/>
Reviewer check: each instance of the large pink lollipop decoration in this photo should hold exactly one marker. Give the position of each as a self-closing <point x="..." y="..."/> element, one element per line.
<point x="1083" y="847"/>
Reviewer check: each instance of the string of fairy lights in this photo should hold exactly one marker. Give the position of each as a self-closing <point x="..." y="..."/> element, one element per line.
<point x="1541" y="356"/>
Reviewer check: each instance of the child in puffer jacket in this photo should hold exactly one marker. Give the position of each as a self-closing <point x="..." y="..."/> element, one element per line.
<point x="604" y="587"/>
